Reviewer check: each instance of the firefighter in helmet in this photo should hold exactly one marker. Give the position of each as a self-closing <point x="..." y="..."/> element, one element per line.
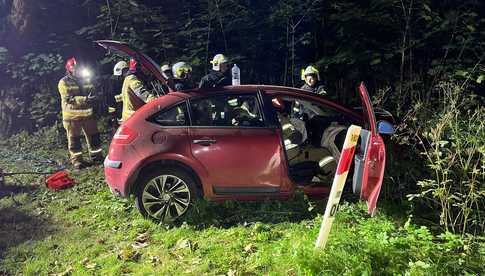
<point x="219" y="76"/>
<point x="182" y="72"/>
<point x="168" y="76"/>
<point x="166" y="71"/>
<point x="311" y="77"/>
<point x="119" y="72"/>
<point x="134" y="92"/>
<point x="77" y="114"/>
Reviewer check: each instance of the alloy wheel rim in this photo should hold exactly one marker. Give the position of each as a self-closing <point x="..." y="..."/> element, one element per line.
<point x="166" y="197"/>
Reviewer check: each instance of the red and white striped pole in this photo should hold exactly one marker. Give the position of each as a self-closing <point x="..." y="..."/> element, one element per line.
<point x="346" y="157"/>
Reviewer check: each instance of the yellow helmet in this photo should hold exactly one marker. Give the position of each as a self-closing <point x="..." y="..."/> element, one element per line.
<point x="217" y="60"/>
<point x="310" y="70"/>
<point x="181" y="69"/>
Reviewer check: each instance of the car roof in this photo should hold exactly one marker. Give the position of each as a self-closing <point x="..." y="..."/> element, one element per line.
<point x="291" y="91"/>
<point x="238" y="88"/>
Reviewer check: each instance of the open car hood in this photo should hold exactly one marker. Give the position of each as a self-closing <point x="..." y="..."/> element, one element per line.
<point x="125" y="49"/>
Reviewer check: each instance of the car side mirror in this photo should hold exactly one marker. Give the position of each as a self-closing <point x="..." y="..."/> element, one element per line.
<point x="384" y="127"/>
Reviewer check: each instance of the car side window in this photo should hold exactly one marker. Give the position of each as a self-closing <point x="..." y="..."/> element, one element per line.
<point x="174" y="116"/>
<point x="227" y="111"/>
<point x="307" y="109"/>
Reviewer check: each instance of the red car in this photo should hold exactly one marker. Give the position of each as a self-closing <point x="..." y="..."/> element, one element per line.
<point x="245" y="142"/>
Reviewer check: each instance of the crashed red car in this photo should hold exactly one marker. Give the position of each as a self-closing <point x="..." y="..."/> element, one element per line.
<point x="245" y="142"/>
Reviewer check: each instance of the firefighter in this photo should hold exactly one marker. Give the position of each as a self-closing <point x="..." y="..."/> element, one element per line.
<point x="134" y="92"/>
<point x="167" y="71"/>
<point x="119" y="71"/>
<point x="313" y="84"/>
<point x="167" y="74"/>
<point x="120" y="68"/>
<point x="181" y="72"/>
<point x="77" y="115"/>
<point x="219" y="76"/>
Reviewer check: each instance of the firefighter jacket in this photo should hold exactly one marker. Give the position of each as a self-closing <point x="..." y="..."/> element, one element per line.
<point x="215" y="79"/>
<point x="74" y="99"/>
<point x="134" y="95"/>
<point x="182" y="84"/>
<point x="317" y="89"/>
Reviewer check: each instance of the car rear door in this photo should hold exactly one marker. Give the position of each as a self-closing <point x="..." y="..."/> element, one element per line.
<point x="370" y="160"/>
<point x="231" y="140"/>
<point x="124" y="48"/>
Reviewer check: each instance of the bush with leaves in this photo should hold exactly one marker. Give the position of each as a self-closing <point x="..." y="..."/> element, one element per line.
<point x="452" y="141"/>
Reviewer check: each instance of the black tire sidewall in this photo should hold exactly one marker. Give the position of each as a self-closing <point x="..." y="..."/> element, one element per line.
<point x="144" y="180"/>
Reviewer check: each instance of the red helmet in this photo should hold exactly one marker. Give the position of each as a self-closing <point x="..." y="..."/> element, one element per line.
<point x="133" y="65"/>
<point x="70" y="64"/>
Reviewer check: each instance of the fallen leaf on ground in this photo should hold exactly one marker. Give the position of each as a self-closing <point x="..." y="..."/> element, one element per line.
<point x="185" y="243"/>
<point x="66" y="272"/>
<point x="84" y="261"/>
<point x="154" y="260"/>
<point x="138" y="245"/>
<point x="142" y="238"/>
<point x="91" y="265"/>
<point x="250" y="248"/>
<point x="129" y="254"/>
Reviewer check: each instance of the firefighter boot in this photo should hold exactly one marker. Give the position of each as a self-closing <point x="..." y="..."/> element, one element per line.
<point x="73" y="131"/>
<point x="75" y="152"/>
<point x="93" y="139"/>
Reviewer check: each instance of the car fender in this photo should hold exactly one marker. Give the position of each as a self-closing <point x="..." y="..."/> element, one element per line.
<point x="198" y="169"/>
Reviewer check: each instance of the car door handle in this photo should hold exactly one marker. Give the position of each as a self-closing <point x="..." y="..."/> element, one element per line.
<point x="204" y="142"/>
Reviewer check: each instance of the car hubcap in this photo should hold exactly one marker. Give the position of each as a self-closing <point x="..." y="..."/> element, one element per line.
<point x="166" y="197"/>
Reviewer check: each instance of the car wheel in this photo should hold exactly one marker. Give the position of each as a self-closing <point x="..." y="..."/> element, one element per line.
<point x="165" y="195"/>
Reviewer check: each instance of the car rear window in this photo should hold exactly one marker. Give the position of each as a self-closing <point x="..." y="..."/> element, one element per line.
<point x="173" y="116"/>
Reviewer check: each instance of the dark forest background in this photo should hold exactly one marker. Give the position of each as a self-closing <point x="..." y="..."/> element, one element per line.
<point x="422" y="60"/>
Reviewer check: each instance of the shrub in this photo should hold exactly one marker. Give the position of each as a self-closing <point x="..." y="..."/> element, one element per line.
<point x="452" y="141"/>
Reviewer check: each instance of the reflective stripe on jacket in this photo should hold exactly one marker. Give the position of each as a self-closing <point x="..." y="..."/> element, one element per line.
<point x="74" y="99"/>
<point x="134" y="95"/>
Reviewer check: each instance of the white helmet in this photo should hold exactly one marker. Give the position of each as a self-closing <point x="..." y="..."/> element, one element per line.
<point x="167" y="71"/>
<point x="118" y="69"/>
<point x="165" y="67"/>
<point x="218" y="60"/>
<point x="310" y="70"/>
<point x="181" y="70"/>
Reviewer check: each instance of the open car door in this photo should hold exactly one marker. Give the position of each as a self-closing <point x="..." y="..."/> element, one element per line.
<point x="370" y="160"/>
<point x="125" y="49"/>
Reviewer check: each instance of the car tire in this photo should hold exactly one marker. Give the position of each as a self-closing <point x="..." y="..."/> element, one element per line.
<point x="165" y="195"/>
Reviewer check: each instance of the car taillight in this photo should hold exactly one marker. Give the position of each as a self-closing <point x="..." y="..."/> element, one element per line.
<point x="124" y="135"/>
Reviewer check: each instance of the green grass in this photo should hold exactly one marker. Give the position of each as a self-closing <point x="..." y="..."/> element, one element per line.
<point x="85" y="230"/>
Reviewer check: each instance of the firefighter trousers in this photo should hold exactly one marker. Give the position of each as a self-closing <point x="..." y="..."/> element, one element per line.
<point x="75" y="129"/>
